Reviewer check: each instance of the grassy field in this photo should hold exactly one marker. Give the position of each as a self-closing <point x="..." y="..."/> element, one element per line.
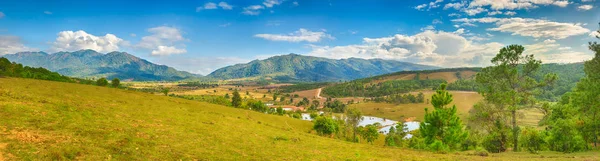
<point x="43" y="120"/>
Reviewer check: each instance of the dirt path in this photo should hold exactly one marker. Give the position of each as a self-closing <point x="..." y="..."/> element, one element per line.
<point x="319" y="93"/>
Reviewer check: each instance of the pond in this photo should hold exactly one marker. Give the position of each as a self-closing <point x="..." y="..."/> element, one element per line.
<point x="385" y="123"/>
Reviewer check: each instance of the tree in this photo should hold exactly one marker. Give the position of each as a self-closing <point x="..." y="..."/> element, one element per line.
<point x="354" y="117"/>
<point x="115" y="82"/>
<point x="509" y="84"/>
<point x="102" y="82"/>
<point x="236" y="100"/>
<point x="369" y="133"/>
<point x="280" y="111"/>
<point x="165" y="91"/>
<point x="315" y="105"/>
<point x="227" y="95"/>
<point x="442" y="124"/>
<point x="326" y="126"/>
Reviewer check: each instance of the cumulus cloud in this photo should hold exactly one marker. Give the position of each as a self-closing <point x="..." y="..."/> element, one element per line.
<point x="536" y="28"/>
<point x="167" y="50"/>
<point x="510" y="13"/>
<point x="163" y="41"/>
<point x="494" y="13"/>
<point x="297" y="36"/>
<point x="253" y="10"/>
<point x="551" y="52"/>
<point x="434" y="4"/>
<point x="456" y="5"/>
<point x="473" y="11"/>
<point x="11" y="45"/>
<point x="78" y="40"/>
<point x="429" y="47"/>
<point x="585" y="7"/>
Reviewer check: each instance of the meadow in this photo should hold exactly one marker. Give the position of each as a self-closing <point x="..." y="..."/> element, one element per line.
<point x="44" y="120"/>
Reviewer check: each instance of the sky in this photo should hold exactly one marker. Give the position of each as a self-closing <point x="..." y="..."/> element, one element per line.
<point x="201" y="36"/>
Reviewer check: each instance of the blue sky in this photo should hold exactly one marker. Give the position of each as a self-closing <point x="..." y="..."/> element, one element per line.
<point x="203" y="35"/>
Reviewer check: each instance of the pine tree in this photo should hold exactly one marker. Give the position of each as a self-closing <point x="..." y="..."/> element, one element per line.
<point x="586" y="97"/>
<point x="236" y="100"/>
<point x="442" y="124"/>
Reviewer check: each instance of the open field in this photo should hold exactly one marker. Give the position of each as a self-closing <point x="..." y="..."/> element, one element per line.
<point x="43" y="120"/>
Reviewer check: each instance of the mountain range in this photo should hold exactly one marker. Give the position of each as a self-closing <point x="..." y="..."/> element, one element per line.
<point x="92" y="64"/>
<point x="299" y="68"/>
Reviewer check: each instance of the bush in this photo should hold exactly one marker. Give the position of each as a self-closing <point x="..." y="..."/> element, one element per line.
<point x="102" y="82"/>
<point x="481" y="152"/>
<point x="438" y="146"/>
<point x="326" y="126"/>
<point x="532" y="140"/>
<point x="115" y="82"/>
<point x="494" y="143"/>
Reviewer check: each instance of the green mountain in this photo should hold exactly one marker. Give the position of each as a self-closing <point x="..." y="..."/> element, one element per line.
<point x="91" y="64"/>
<point x="298" y="68"/>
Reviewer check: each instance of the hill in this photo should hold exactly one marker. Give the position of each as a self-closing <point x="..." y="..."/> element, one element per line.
<point x="91" y="64"/>
<point x="44" y="120"/>
<point x="299" y="68"/>
<point x="458" y="79"/>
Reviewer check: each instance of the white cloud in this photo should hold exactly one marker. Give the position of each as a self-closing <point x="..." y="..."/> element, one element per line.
<point x="78" y="40"/>
<point x="163" y="41"/>
<point x="419" y="7"/>
<point x="587" y="0"/>
<point x="132" y="35"/>
<point x="561" y="3"/>
<point x="473" y="11"/>
<point x="253" y="10"/>
<point x="212" y="6"/>
<point x="510" y="13"/>
<point x="297" y="36"/>
<point x="47" y="12"/>
<point x="551" y="52"/>
<point x="295" y="3"/>
<point x="428" y="47"/>
<point x="595" y="34"/>
<point x="225" y="6"/>
<point x="271" y="3"/>
<point x="494" y="13"/>
<point x="225" y="25"/>
<point x="585" y="7"/>
<point x="436" y="21"/>
<point x="11" y="45"/>
<point x="456" y="5"/>
<point x="536" y="28"/>
<point x="2" y="15"/>
<point x="168" y="50"/>
<point x="454" y="15"/>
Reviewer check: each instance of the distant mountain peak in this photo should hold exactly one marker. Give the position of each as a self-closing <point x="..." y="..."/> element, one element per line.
<point x="89" y="63"/>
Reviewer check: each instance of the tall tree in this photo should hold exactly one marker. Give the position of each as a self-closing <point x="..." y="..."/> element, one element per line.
<point x="586" y="96"/>
<point x="354" y="117"/>
<point x="442" y="124"/>
<point x="236" y="100"/>
<point x="509" y="83"/>
<point x="115" y="82"/>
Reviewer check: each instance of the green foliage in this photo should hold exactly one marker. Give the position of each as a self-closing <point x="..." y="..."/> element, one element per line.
<point x="257" y="106"/>
<point x="166" y="91"/>
<point x="364" y="88"/>
<point x="510" y="82"/>
<point x="401" y="98"/>
<point x="219" y="100"/>
<point x="497" y="140"/>
<point x="115" y="82"/>
<point x="354" y="116"/>
<point x="102" y="82"/>
<point x="326" y="126"/>
<point x="586" y="97"/>
<point x="532" y="140"/>
<point x="442" y="124"/>
<point x="198" y="84"/>
<point x="396" y="135"/>
<point x="236" y="100"/>
<point x="336" y="106"/>
<point x="463" y="85"/>
<point x="369" y="133"/>
<point x="18" y="70"/>
<point x="280" y="111"/>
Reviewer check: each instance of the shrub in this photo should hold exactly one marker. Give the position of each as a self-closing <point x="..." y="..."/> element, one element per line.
<point x="532" y="140"/>
<point x="438" y="146"/>
<point x="115" y="82"/>
<point x="102" y="82"/>
<point x="481" y="152"/>
<point x="326" y="126"/>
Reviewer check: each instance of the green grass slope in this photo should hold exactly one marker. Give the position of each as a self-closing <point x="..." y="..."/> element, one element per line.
<point x="43" y="120"/>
